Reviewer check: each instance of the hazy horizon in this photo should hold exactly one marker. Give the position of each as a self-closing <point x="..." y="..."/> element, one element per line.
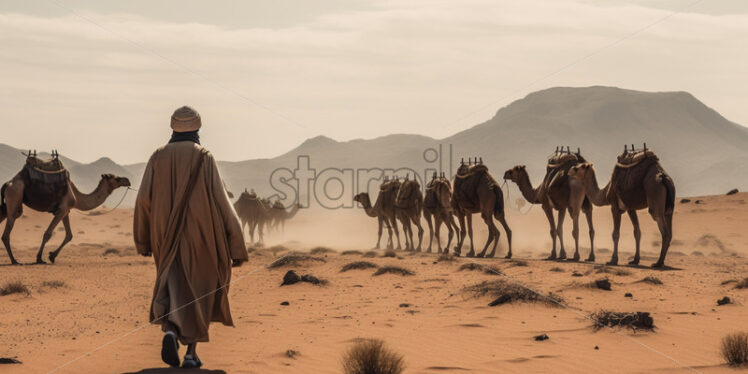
<point x="267" y="75"/>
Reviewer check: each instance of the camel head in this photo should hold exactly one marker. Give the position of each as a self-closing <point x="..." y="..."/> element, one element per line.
<point x="580" y="171"/>
<point x="515" y="173"/>
<point x="359" y="197"/>
<point x="114" y="182"/>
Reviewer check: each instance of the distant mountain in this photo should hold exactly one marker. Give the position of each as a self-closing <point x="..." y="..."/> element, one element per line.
<point x="703" y="152"/>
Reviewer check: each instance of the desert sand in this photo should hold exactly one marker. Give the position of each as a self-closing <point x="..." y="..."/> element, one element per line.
<point x="88" y="312"/>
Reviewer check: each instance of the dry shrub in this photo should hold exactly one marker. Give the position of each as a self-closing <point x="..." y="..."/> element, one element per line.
<point x="389" y="253"/>
<point x="14" y="288"/>
<point x="371" y="356"/>
<point x="651" y="280"/>
<point x="505" y="291"/>
<point x="393" y="270"/>
<point x="557" y="270"/>
<point x="320" y="250"/>
<point x="602" y="269"/>
<point x="111" y="251"/>
<point x="478" y="267"/>
<point x="54" y="284"/>
<point x="350" y="252"/>
<point x="297" y="259"/>
<point x="514" y="263"/>
<point x="735" y="348"/>
<point x="634" y="321"/>
<point x="359" y="265"/>
<point x="446" y="257"/>
<point x="742" y="284"/>
<point x="370" y="254"/>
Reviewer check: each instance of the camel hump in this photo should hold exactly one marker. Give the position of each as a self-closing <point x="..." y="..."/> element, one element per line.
<point x="557" y="160"/>
<point x="50" y="171"/>
<point x="629" y="159"/>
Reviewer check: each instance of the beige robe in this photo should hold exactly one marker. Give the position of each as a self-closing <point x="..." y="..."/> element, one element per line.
<point x="194" y="269"/>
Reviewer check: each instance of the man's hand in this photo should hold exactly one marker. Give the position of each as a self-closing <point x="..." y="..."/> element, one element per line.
<point x="237" y="263"/>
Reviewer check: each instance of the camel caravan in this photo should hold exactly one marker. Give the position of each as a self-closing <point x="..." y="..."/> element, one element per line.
<point x="638" y="181"/>
<point x="256" y="213"/>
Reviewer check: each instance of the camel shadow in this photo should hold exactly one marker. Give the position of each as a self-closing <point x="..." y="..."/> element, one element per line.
<point x="175" y="371"/>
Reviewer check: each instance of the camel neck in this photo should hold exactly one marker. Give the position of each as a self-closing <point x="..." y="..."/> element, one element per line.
<point x="594" y="193"/>
<point x="525" y="186"/>
<point x="91" y="200"/>
<point x="366" y="203"/>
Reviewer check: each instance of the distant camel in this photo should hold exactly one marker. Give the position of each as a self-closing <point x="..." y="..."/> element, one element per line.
<point x="559" y="192"/>
<point x="252" y="213"/>
<point x="638" y="182"/>
<point x="436" y="204"/>
<point x="45" y="186"/>
<point x="475" y="191"/>
<point x="409" y="207"/>
<point x="279" y="215"/>
<point x="383" y="209"/>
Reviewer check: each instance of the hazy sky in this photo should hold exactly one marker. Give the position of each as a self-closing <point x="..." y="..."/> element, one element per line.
<point x="265" y="75"/>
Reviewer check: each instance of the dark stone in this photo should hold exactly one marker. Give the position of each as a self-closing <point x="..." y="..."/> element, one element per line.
<point x="4" y="360"/>
<point x="684" y="201"/>
<point x="628" y="294"/>
<point x="724" y="300"/>
<point x="405" y="305"/>
<point x="699" y="202"/>
<point x="290" y="278"/>
<point x="310" y="278"/>
<point x="603" y="284"/>
<point x="644" y="320"/>
<point x="576" y="274"/>
<point x="541" y="337"/>
<point x="503" y="299"/>
<point x="285" y="303"/>
<point x="732" y="191"/>
<point x="597" y="348"/>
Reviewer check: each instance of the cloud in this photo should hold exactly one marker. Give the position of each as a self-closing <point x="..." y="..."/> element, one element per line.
<point x="401" y="66"/>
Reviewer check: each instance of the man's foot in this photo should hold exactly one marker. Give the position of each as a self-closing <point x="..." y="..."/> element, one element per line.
<point x="170" y="349"/>
<point x="191" y="362"/>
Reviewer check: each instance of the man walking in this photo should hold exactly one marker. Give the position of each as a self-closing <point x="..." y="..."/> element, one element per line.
<point x="184" y="218"/>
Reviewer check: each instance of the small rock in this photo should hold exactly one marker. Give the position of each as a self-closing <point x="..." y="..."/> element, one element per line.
<point x="685" y="201"/>
<point x="285" y="303"/>
<point x="699" y="202"/>
<point x="597" y="348"/>
<point x="4" y="360"/>
<point x="628" y="294"/>
<point x="724" y="300"/>
<point x="732" y="191"/>
<point x="541" y="337"/>
<point x="290" y="353"/>
<point x="404" y="305"/>
<point x="576" y="274"/>
<point x="310" y="278"/>
<point x="603" y="284"/>
<point x="290" y="278"/>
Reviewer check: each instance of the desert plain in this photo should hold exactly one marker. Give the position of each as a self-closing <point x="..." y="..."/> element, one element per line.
<point x="88" y="312"/>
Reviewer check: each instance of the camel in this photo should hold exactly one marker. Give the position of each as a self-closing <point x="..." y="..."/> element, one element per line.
<point x="561" y="193"/>
<point x="436" y="204"/>
<point x="638" y="181"/>
<point x="279" y="215"/>
<point x="45" y="186"/>
<point x="383" y="209"/>
<point x="475" y="191"/>
<point x="251" y="212"/>
<point x="409" y="207"/>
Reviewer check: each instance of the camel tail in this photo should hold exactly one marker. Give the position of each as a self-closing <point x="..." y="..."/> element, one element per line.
<point x="670" y="197"/>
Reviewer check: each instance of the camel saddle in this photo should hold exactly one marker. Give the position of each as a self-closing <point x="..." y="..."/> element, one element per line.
<point x="46" y="171"/>
<point x="630" y="159"/>
<point x="472" y="170"/>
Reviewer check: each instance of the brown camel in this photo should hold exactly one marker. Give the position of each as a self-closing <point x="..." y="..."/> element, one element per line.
<point x="475" y="191"/>
<point x="409" y="208"/>
<point x="45" y="186"/>
<point x="559" y="192"/>
<point x="436" y="204"/>
<point x="252" y="212"/>
<point x="638" y="182"/>
<point x="280" y="215"/>
<point x="383" y="209"/>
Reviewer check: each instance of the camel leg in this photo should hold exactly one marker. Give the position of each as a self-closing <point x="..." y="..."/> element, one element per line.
<point x="450" y="231"/>
<point x="588" y="214"/>
<point x="549" y="214"/>
<point x="379" y="231"/>
<point x="491" y="233"/>
<point x="438" y="220"/>
<point x="508" y="231"/>
<point x="407" y="233"/>
<point x="666" y="231"/>
<point x="393" y="222"/>
<point x="575" y="232"/>
<point x="637" y="235"/>
<point x="616" y="234"/>
<point x="463" y="233"/>
<point x="428" y="217"/>
<point x="560" y="233"/>
<point x="389" y="232"/>
<point x="469" y="218"/>
<point x="68" y="238"/>
<point x="11" y="220"/>
<point x="260" y="233"/>
<point x="48" y="235"/>
<point x="417" y="222"/>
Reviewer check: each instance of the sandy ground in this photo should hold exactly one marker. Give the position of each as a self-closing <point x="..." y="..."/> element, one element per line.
<point x="96" y="321"/>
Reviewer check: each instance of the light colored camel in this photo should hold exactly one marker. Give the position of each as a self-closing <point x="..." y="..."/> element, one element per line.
<point x="409" y="207"/>
<point x="561" y="193"/>
<point x="45" y="186"/>
<point x="383" y="209"/>
<point x="475" y="191"/>
<point x="436" y="205"/>
<point x="638" y="182"/>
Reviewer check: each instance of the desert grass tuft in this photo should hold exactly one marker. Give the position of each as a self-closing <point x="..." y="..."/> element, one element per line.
<point x="603" y="269"/>
<point x="54" y="284"/>
<point x="505" y="291"/>
<point x="371" y="356"/>
<point x="473" y="266"/>
<point x="350" y="252"/>
<point x="111" y="251"/>
<point x="513" y="263"/>
<point x="635" y="321"/>
<point x="358" y="265"/>
<point x="651" y="280"/>
<point x="735" y="348"/>
<point x="389" y="253"/>
<point x="296" y="259"/>
<point x="447" y="257"/>
<point x="393" y="270"/>
<point x="15" y="287"/>
<point x="742" y="284"/>
<point x="370" y="254"/>
<point x="320" y="250"/>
